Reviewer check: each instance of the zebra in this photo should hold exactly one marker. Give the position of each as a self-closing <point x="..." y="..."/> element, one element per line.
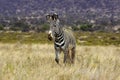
<point x="63" y="38"/>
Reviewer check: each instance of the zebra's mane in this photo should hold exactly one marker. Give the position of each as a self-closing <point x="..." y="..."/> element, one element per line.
<point x="68" y="29"/>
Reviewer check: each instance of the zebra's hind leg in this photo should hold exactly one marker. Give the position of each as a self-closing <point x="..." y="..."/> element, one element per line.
<point x="73" y="55"/>
<point x="65" y="56"/>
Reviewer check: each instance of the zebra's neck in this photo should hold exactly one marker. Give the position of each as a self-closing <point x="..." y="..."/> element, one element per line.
<point x="59" y="34"/>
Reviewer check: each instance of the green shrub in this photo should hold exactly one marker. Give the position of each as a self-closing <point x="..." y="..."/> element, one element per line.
<point x="86" y="27"/>
<point x="20" y="26"/>
<point x="42" y="28"/>
<point x="75" y="28"/>
<point x="1" y="27"/>
<point x="45" y="27"/>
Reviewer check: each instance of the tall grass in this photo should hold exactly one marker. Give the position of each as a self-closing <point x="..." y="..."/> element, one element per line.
<point x="36" y="62"/>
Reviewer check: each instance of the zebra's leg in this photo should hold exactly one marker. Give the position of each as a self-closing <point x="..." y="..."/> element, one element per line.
<point x="57" y="52"/>
<point x="73" y="55"/>
<point x="68" y="56"/>
<point x="66" y="52"/>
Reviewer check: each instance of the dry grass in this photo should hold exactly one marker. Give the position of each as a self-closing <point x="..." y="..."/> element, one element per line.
<point x="36" y="62"/>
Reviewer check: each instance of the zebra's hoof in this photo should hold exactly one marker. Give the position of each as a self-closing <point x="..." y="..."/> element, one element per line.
<point x="57" y="61"/>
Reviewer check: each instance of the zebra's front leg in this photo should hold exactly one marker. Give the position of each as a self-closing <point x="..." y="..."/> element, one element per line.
<point x="57" y="52"/>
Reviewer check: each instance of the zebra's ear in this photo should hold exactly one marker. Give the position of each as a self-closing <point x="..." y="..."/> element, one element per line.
<point x="55" y="16"/>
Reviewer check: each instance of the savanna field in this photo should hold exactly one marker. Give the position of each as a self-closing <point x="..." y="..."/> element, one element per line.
<point x="30" y="56"/>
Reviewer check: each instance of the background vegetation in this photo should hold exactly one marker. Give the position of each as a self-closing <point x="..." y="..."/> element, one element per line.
<point x="26" y="55"/>
<point x="82" y="38"/>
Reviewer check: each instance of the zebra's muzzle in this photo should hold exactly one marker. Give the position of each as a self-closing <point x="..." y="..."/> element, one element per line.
<point x="50" y="37"/>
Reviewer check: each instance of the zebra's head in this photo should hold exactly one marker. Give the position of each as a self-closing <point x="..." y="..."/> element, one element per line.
<point x="55" y="28"/>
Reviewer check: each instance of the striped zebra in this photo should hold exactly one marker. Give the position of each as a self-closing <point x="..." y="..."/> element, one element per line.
<point x="64" y="39"/>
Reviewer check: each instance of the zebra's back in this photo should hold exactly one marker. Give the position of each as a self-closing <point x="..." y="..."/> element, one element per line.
<point x="69" y="38"/>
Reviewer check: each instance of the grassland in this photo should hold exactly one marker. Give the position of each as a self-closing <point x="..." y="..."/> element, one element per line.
<point x="30" y="56"/>
<point x="83" y="38"/>
<point x="36" y="62"/>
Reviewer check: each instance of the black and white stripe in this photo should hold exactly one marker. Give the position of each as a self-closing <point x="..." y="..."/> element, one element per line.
<point x="59" y="40"/>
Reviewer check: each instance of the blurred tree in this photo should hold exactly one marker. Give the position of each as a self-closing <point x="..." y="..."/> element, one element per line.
<point x="86" y="27"/>
<point x="1" y="27"/>
<point x="20" y="26"/>
<point x="44" y="27"/>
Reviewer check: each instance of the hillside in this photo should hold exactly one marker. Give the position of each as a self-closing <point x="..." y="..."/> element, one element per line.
<point x="93" y="9"/>
<point x="104" y="13"/>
